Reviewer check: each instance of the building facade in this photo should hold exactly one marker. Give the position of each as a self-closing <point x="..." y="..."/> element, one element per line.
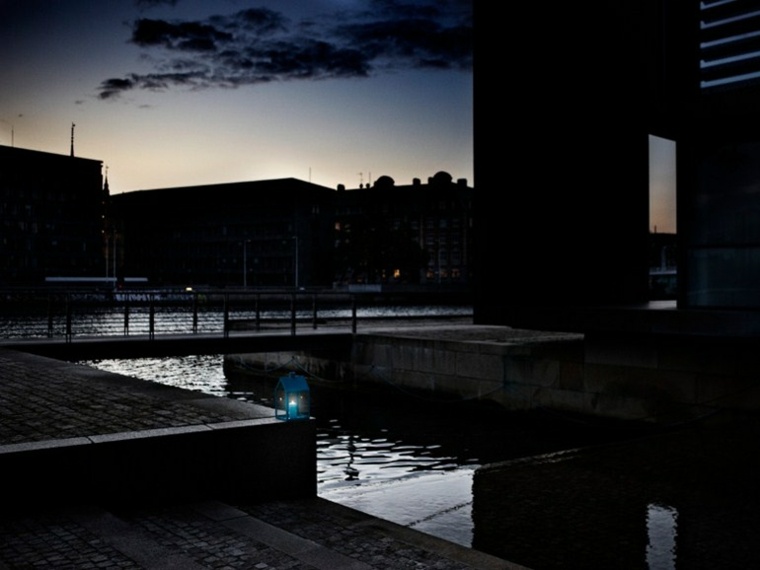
<point x="417" y="234"/>
<point x="275" y="233"/>
<point x="582" y="107"/>
<point x="61" y="223"/>
<point x="51" y="217"/>
<point x="693" y="72"/>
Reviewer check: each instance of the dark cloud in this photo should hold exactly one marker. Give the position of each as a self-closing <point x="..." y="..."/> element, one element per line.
<point x="259" y="20"/>
<point x="144" y="4"/>
<point x="182" y="36"/>
<point x="114" y="86"/>
<point x="417" y="42"/>
<point x="260" y="45"/>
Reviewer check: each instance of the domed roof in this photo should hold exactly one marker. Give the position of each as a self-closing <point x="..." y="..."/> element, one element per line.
<point x="442" y="177"/>
<point x="384" y="182"/>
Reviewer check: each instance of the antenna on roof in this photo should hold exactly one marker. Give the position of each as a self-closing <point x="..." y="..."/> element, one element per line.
<point x="72" y="138"/>
<point x="11" y="126"/>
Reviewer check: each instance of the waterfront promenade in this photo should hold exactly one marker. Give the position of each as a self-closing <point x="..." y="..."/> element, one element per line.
<point x="50" y="520"/>
<point x="684" y="496"/>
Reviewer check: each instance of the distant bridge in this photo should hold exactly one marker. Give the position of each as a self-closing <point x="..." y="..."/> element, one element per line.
<point x="143" y="323"/>
<point x="144" y="346"/>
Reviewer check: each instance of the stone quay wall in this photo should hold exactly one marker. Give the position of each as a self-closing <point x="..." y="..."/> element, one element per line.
<point x="651" y="381"/>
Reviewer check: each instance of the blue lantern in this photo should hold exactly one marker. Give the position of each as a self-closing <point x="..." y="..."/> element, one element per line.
<point x="291" y="398"/>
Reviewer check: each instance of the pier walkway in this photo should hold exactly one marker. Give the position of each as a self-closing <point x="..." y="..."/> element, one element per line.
<point x="52" y="406"/>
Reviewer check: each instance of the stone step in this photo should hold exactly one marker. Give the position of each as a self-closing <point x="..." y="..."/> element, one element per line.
<point x="301" y="535"/>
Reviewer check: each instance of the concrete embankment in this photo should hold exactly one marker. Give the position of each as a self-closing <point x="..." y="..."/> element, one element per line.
<point x="69" y="433"/>
<point x="658" y="382"/>
<point x="451" y="361"/>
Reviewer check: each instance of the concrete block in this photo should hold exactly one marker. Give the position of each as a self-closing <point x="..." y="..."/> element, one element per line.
<point x="515" y="397"/>
<point x="518" y="370"/>
<point x="385" y="355"/>
<point x="564" y="400"/>
<point x="412" y="380"/>
<point x="443" y="362"/>
<point x="478" y="365"/>
<point x="534" y="372"/>
<point x="466" y="388"/>
<point x="571" y="375"/>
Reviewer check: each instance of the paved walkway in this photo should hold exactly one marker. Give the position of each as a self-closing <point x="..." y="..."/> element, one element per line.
<point x="300" y="534"/>
<point x="45" y="401"/>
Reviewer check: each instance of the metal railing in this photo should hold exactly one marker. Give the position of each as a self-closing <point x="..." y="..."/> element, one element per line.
<point x="70" y="313"/>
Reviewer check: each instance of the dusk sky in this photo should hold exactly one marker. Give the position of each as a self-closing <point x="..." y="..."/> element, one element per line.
<point x="662" y="185"/>
<point x="186" y="92"/>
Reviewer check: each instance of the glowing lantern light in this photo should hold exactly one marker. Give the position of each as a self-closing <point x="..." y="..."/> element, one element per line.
<point x="292" y="400"/>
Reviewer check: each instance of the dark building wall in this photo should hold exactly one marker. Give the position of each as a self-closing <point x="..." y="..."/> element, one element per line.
<point x="565" y="219"/>
<point x="721" y="219"/>
<point x="228" y="234"/>
<point x="718" y="175"/>
<point x="51" y="216"/>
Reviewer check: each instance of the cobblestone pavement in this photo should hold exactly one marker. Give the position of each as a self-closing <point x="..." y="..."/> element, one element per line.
<point x="298" y="535"/>
<point x="44" y="399"/>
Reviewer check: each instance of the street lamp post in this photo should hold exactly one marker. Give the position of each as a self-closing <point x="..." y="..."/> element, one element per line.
<point x="296" y="261"/>
<point x="245" y="262"/>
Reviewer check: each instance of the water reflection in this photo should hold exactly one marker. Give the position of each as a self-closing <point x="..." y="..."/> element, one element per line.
<point x="662" y="531"/>
<point x="203" y="373"/>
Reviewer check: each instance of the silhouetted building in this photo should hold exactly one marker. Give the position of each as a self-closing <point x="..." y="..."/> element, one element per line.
<point x="51" y="216"/>
<point x="262" y="233"/>
<point x="586" y="91"/>
<point x="401" y="235"/>
<point x="60" y="220"/>
<point x="717" y="152"/>
<point x="570" y="225"/>
<point x="590" y="97"/>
